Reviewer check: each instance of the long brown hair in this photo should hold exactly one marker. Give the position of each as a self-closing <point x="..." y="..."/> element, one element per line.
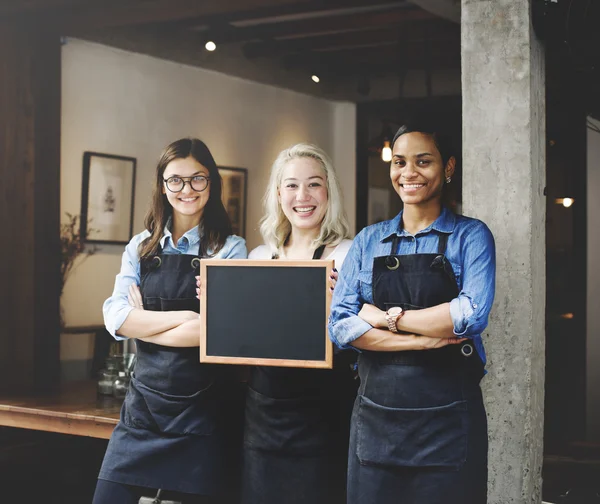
<point x="215" y="226"/>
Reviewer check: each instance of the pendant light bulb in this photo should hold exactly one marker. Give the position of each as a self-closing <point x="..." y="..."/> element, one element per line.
<point x="386" y="152"/>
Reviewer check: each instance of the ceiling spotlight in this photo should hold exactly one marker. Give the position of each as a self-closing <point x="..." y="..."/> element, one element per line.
<point x="315" y="78"/>
<point x="210" y="46"/>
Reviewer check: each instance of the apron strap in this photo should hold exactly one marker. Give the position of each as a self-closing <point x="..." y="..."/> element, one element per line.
<point x="442" y="243"/>
<point x="395" y="241"/>
<point x="319" y="252"/>
<point x="154" y="261"/>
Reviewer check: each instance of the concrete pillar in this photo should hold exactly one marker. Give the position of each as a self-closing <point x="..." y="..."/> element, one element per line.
<point x="503" y="93"/>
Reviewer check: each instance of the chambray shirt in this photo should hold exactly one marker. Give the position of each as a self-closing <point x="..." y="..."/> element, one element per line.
<point x="116" y="308"/>
<point x="470" y="250"/>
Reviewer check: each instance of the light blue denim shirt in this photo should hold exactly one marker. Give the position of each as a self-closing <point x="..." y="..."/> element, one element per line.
<point x="470" y="250"/>
<point x="116" y="308"/>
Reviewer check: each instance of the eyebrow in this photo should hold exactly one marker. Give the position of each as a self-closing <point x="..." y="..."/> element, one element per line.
<point x="192" y="175"/>
<point x="422" y="154"/>
<point x="309" y="178"/>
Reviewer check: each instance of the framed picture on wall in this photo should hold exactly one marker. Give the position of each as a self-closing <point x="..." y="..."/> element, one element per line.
<point x="107" y="197"/>
<point x="235" y="181"/>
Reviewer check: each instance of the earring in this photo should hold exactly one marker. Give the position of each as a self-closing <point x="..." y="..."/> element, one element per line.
<point x="448" y="180"/>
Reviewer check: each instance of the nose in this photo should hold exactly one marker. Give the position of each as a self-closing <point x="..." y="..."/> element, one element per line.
<point x="409" y="171"/>
<point x="302" y="194"/>
<point x="187" y="187"/>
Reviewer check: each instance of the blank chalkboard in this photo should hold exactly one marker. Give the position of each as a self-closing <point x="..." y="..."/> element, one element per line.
<point x="268" y="313"/>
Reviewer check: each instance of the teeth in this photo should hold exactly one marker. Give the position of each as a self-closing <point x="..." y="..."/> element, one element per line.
<point x="412" y="186"/>
<point x="188" y="199"/>
<point x="304" y="209"/>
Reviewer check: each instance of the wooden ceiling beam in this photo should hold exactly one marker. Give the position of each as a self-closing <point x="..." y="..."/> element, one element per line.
<point x="374" y="69"/>
<point x="81" y="15"/>
<point x="395" y="15"/>
<point x="380" y="61"/>
<point x="266" y="15"/>
<point x="18" y="7"/>
<point x="434" y="31"/>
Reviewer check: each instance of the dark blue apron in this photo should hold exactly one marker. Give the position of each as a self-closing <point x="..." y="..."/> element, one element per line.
<point x="296" y="433"/>
<point x="419" y="428"/>
<point x="169" y="434"/>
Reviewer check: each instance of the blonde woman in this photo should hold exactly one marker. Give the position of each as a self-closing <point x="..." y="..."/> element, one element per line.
<point x="297" y="420"/>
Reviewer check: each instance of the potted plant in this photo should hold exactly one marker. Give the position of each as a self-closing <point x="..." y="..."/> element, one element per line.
<point x="72" y="246"/>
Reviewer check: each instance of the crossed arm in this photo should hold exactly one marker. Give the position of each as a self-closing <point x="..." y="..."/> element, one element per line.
<point x="431" y="328"/>
<point x="168" y="328"/>
<point x="355" y="322"/>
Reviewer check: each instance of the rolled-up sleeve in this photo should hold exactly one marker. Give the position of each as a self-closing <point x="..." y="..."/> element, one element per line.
<point x="344" y="323"/>
<point x="235" y="248"/>
<point x="116" y="308"/>
<point x="470" y="310"/>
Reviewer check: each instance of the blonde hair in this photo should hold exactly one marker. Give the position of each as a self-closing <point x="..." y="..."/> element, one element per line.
<point x="275" y="228"/>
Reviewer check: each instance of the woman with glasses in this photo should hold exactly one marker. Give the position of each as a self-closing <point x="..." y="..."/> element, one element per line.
<point x="297" y="420"/>
<point x="170" y="437"/>
<point x="414" y="297"/>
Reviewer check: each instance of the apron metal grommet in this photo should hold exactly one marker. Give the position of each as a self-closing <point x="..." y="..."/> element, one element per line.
<point x="156" y="262"/>
<point x="466" y="350"/>
<point x="392" y="263"/>
<point x="438" y="262"/>
<point x="195" y="263"/>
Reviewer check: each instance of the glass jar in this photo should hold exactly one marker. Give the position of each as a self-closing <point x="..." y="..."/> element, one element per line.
<point x="120" y="385"/>
<point x="114" y="363"/>
<point x="106" y="379"/>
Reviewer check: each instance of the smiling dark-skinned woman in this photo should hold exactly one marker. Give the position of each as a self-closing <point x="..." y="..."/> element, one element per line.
<point x="413" y="297"/>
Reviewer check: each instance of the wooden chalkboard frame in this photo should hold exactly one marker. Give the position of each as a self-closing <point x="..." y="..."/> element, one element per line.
<point x="205" y="264"/>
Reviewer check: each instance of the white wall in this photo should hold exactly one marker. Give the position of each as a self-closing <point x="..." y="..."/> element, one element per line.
<point x="593" y="285"/>
<point x="129" y="104"/>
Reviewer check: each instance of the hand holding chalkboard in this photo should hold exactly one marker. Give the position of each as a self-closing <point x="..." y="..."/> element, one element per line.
<point x="264" y="312"/>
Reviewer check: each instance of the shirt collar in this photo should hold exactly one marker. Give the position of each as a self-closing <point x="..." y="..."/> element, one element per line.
<point x="192" y="235"/>
<point x="445" y="223"/>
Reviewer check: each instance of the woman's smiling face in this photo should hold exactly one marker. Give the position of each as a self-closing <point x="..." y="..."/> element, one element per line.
<point x="187" y="202"/>
<point x="417" y="171"/>
<point x="303" y="193"/>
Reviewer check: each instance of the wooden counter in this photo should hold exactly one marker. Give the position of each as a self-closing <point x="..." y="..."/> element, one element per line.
<point x="75" y="410"/>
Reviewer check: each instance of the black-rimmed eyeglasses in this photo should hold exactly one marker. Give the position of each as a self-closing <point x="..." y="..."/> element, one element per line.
<point x="176" y="184"/>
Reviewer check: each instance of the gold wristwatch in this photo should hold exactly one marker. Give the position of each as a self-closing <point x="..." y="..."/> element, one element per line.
<point x="392" y="316"/>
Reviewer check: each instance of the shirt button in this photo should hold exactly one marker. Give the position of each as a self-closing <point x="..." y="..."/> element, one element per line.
<point x="475" y="305"/>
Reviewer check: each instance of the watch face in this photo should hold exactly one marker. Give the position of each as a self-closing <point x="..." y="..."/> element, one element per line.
<point x="396" y="310"/>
